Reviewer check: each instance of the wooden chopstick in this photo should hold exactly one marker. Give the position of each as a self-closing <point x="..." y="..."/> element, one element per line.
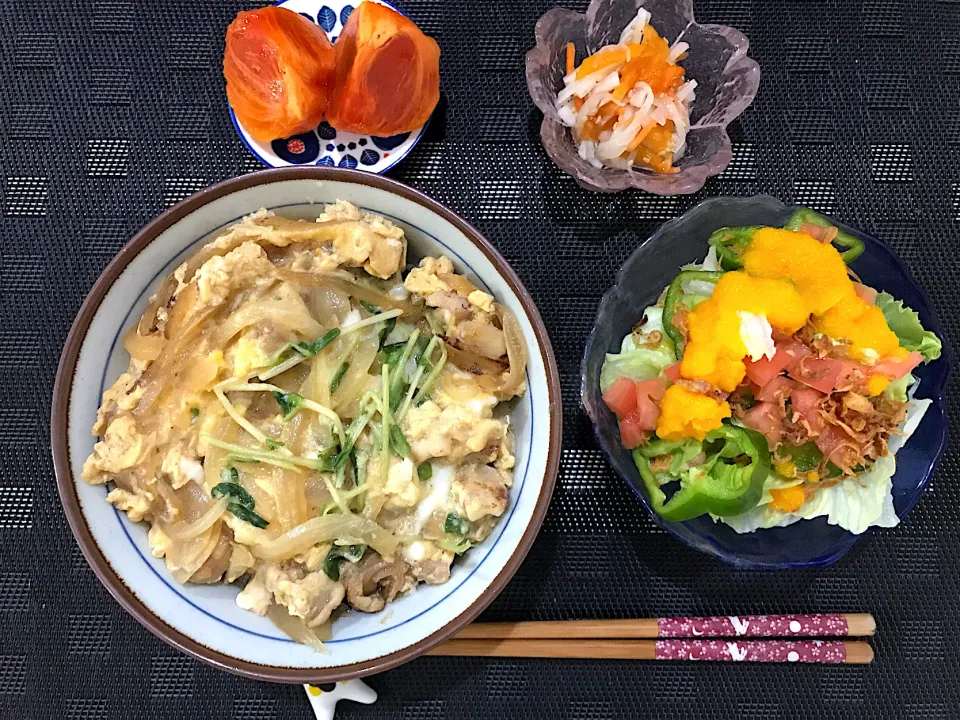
<point x="789" y="651"/>
<point x="786" y="626"/>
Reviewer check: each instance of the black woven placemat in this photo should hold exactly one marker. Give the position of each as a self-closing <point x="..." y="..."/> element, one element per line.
<point x="113" y="110"/>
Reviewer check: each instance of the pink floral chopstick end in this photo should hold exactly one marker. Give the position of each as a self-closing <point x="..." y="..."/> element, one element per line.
<point x="754" y="626"/>
<point x="804" y="651"/>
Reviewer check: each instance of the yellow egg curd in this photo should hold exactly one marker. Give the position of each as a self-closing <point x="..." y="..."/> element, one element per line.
<point x="790" y="278"/>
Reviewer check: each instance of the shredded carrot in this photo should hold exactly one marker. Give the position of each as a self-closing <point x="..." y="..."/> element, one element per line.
<point x="577" y="102"/>
<point x="571" y="56"/>
<point x="641" y="136"/>
<point x="599" y="60"/>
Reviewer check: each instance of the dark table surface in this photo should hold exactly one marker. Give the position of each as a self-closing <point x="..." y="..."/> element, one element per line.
<point x="113" y="110"/>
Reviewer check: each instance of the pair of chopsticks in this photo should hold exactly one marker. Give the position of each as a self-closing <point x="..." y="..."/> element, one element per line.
<point x="782" y="638"/>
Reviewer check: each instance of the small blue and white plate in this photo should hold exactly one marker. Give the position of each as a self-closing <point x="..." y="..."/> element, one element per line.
<point x="326" y="145"/>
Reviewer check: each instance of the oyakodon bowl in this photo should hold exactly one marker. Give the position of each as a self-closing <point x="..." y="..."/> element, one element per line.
<point x="204" y="620"/>
<point x="807" y="543"/>
<point x="727" y="82"/>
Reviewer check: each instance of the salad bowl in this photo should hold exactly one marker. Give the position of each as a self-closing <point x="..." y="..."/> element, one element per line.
<point x="804" y="544"/>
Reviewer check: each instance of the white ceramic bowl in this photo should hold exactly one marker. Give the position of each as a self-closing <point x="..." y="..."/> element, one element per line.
<point x="204" y="620"/>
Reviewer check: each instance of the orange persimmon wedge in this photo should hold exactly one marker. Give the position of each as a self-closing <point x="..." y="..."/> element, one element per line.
<point x="279" y="67"/>
<point x="388" y="74"/>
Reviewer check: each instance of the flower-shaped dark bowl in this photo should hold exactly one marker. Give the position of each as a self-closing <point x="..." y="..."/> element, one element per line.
<point x="808" y="543"/>
<point x="727" y="82"/>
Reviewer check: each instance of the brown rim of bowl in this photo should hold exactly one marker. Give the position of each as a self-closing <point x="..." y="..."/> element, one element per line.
<point x="67" y="488"/>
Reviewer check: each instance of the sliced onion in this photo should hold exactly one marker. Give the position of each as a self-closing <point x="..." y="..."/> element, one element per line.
<point x="508" y="384"/>
<point x="148" y="321"/>
<point x="185" y="557"/>
<point x="350" y="287"/>
<point x="143" y="347"/>
<point x="471" y="362"/>
<point x="188" y="531"/>
<point x="162" y="371"/>
<point x="296" y="628"/>
<point x="327" y="529"/>
<point x="270" y="312"/>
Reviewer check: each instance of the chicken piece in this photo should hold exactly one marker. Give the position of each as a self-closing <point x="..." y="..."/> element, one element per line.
<point x="428" y="563"/>
<point x="373" y="582"/>
<point x="481" y="338"/>
<point x="454" y="432"/>
<point x="478" y="491"/>
<point x="119" y="450"/>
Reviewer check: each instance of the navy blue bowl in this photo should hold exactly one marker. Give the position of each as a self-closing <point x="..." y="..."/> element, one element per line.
<point x="808" y="543"/>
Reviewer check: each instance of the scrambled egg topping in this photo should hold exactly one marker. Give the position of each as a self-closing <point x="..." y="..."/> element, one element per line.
<point x="788" y="278"/>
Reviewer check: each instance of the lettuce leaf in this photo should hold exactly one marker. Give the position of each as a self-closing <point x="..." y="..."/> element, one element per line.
<point x="855" y="504"/>
<point x="897" y="390"/>
<point x="639" y="363"/>
<point x="906" y="324"/>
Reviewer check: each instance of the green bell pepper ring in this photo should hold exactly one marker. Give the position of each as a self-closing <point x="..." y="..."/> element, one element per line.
<point x="672" y="297"/>
<point x="725" y="484"/>
<point x="730" y="243"/>
<point x="806" y="215"/>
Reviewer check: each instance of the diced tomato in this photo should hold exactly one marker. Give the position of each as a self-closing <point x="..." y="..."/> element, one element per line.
<point x="867" y="294"/>
<point x="649" y="393"/>
<point x="831" y="438"/>
<point x="672" y="372"/>
<point x="804" y="399"/>
<point x="795" y="350"/>
<point x="776" y="390"/>
<point x="765" y="418"/>
<point x="621" y="397"/>
<point x="655" y="389"/>
<point x="806" y="402"/>
<point x="648" y="413"/>
<point x="762" y="371"/>
<point x="896" y="369"/>
<point x="632" y="434"/>
<point x="819" y="373"/>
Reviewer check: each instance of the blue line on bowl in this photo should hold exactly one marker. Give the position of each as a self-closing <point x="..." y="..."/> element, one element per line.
<point x="123" y="524"/>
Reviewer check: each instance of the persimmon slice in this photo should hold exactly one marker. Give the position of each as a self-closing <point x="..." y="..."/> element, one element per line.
<point x="279" y="67"/>
<point x="387" y="76"/>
